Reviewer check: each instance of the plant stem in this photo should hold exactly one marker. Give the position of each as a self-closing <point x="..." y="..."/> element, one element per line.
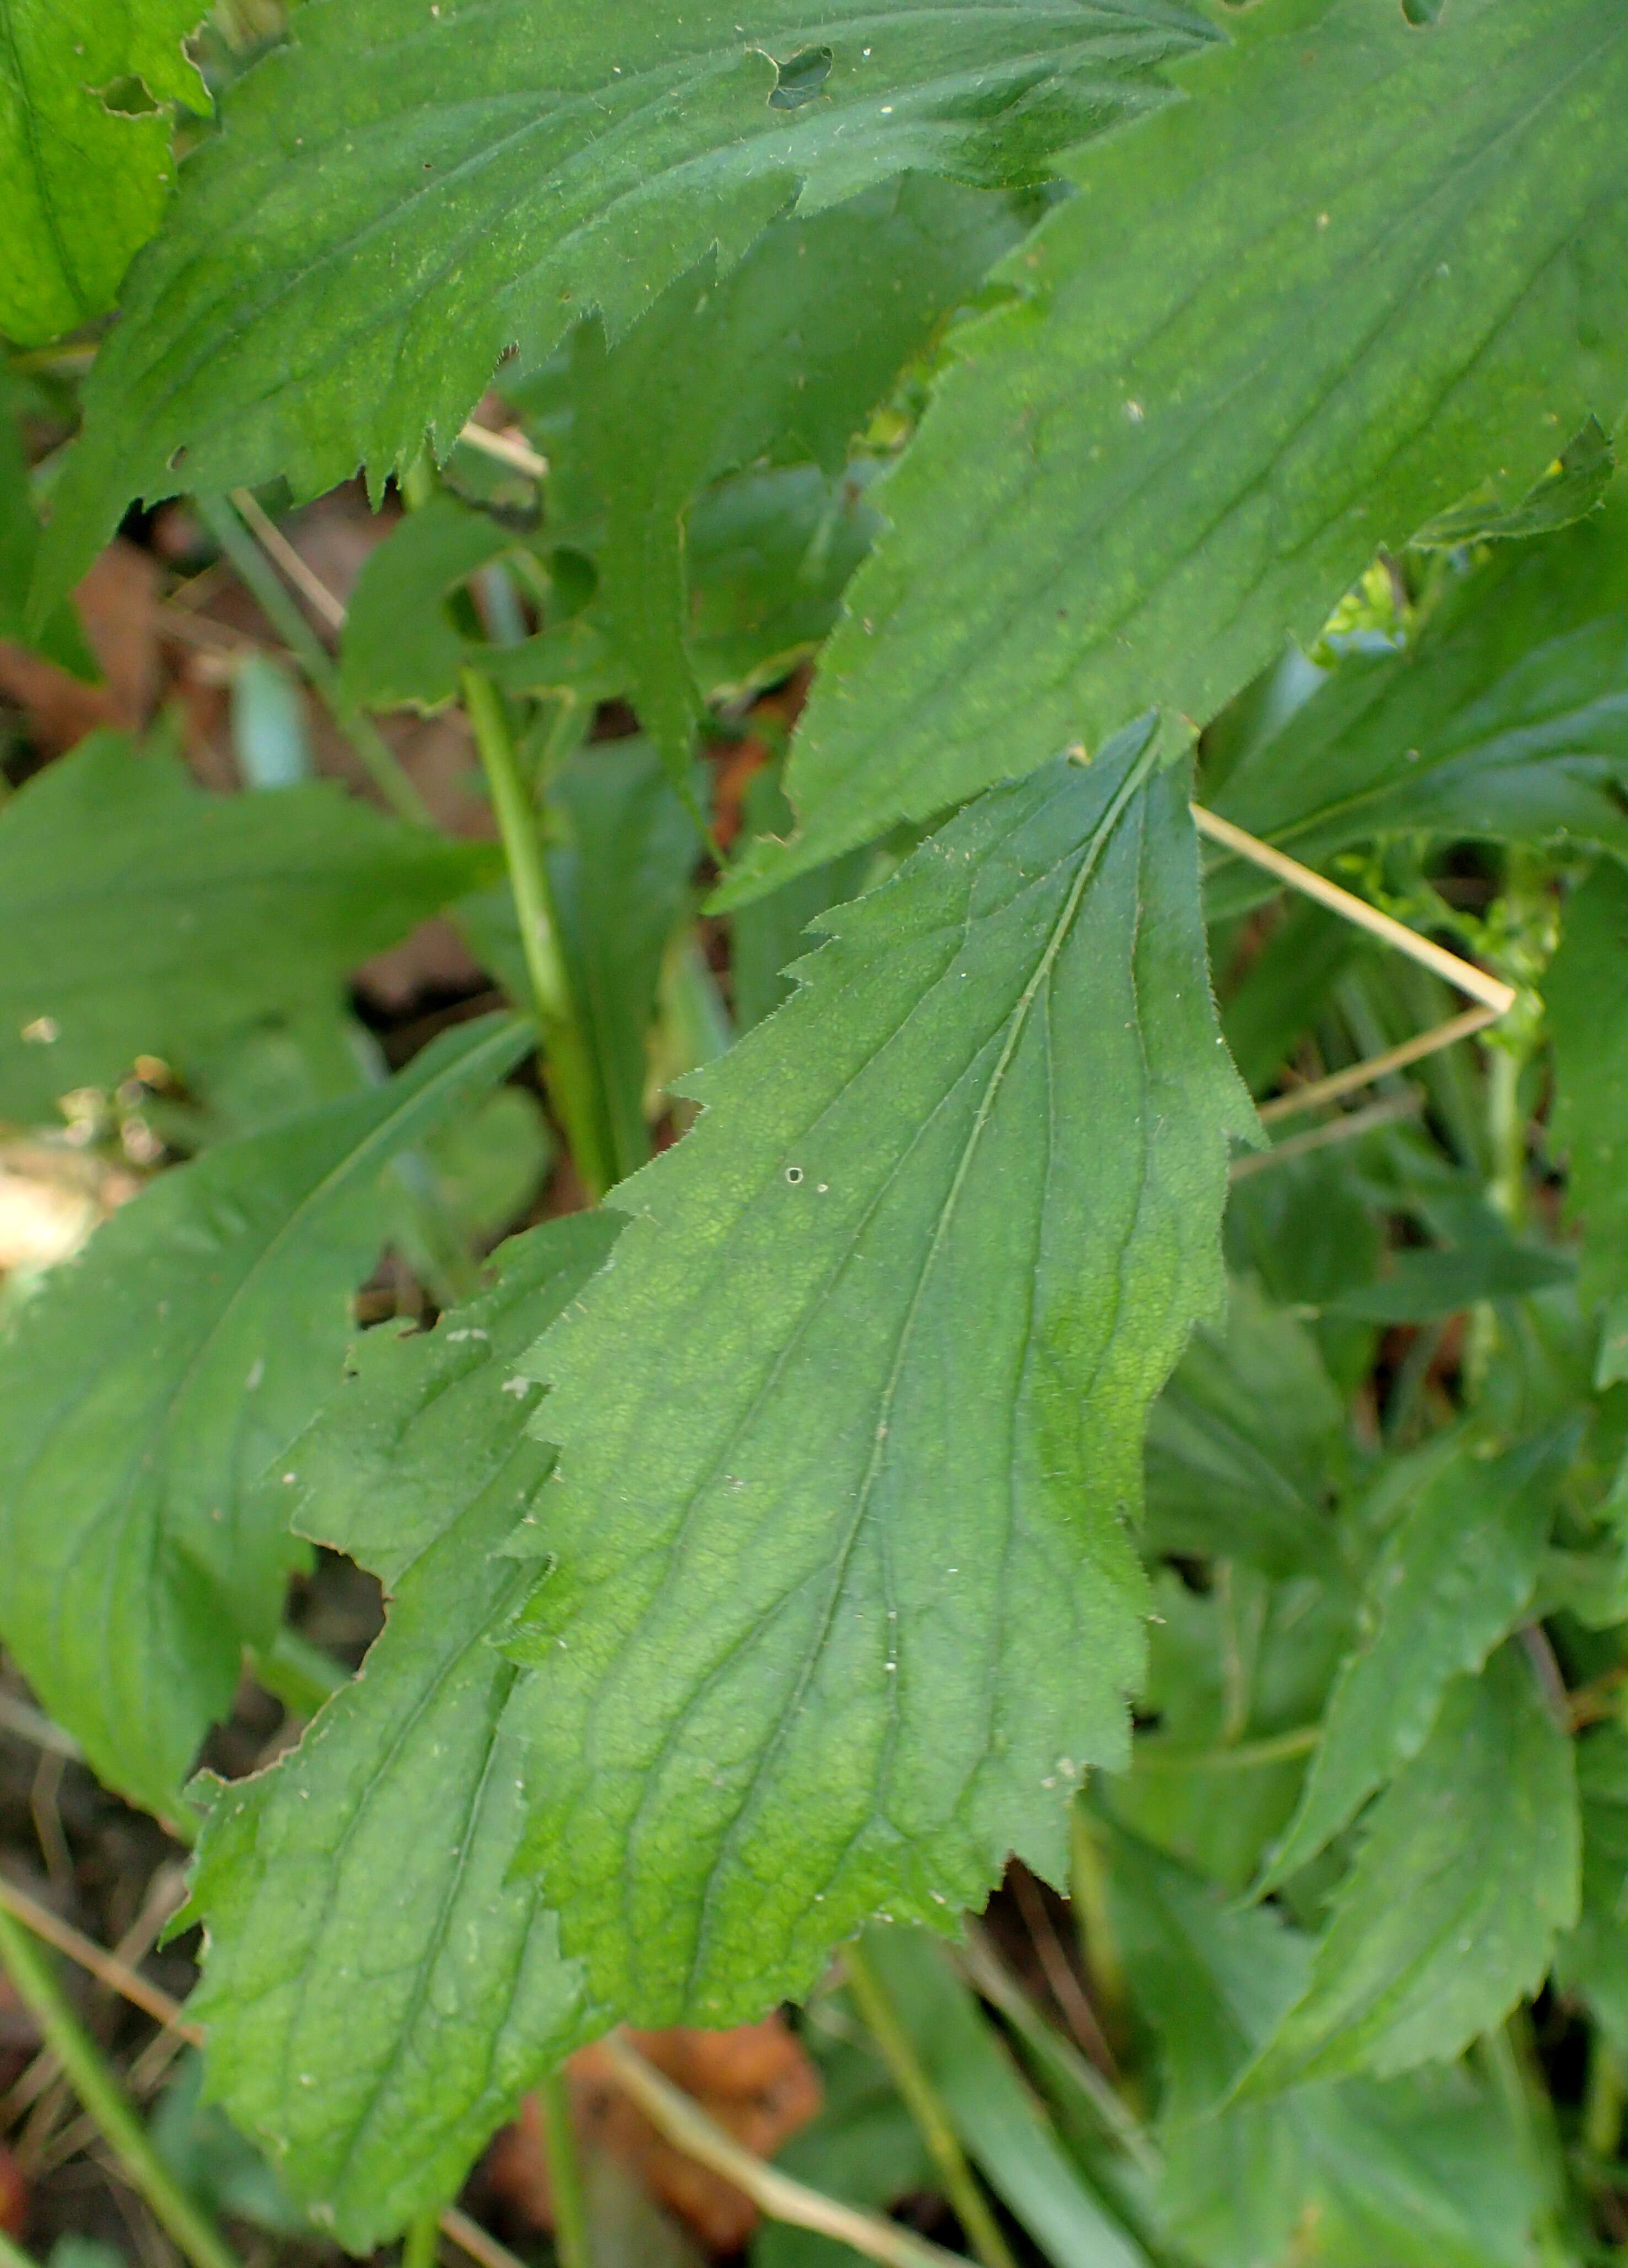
<point x="12" y="2256"/>
<point x="418" y="2246"/>
<point x="922" y="2099"/>
<point x="1603" y="2100"/>
<point x="687" y="2126"/>
<point x="572" y="2239"/>
<point x="566" y="1065"/>
<point x="103" y="2097"/>
<point x="376" y="754"/>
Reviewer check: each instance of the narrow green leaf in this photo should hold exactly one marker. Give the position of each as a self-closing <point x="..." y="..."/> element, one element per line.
<point x="139" y="915"/>
<point x="148" y="1386"/>
<point x="1286" y="988"/>
<point x="1421" y="2172"/>
<point x="379" y="1988"/>
<point x="784" y="356"/>
<point x="1479" y="1834"/>
<point x="842" y="1602"/>
<point x="1282" y="322"/>
<point x="1243" y="1445"/>
<point x="1421" y="1287"/>
<point x="1587" y="1008"/>
<point x="1506" y="718"/>
<point x="61" y="639"/>
<point x="82" y="185"/>
<point x="991" y="2111"/>
<point x="1592" y="1958"/>
<point x="398" y="198"/>
<point x="863" y="2147"/>
<point x="1451" y="1579"/>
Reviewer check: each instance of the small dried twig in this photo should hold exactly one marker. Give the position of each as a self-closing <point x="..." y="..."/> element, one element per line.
<point x="1354" y="1124"/>
<point x="276" y="546"/>
<point x="687" y="2126"/>
<point x="1364" y="1074"/>
<point x="30" y="1723"/>
<point x="1492" y="991"/>
<point x="1067" y="1989"/>
<point x="153" y="2001"/>
<point x="105" y="1967"/>
<point x="509" y="449"/>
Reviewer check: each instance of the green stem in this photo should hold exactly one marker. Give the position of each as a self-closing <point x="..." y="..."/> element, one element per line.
<point x="419" y="2244"/>
<point x="103" y="2097"/>
<point x="566" y="1064"/>
<point x="571" y="2240"/>
<point x="922" y="2100"/>
<point x="12" y="2256"/>
<point x="376" y="756"/>
<point x="1506" y="1132"/>
<point x="1604" y="2101"/>
<point x="1153" y="1755"/>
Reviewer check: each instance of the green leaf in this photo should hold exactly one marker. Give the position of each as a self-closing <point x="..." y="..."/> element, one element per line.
<point x="379" y="1989"/>
<point x="784" y="356"/>
<point x="148" y="1386"/>
<point x="404" y="649"/>
<point x="767" y="556"/>
<point x="1584" y="993"/>
<point x="1251" y="350"/>
<point x="1243" y="1447"/>
<point x="1573" y="485"/>
<point x="81" y="186"/>
<point x="61" y="639"/>
<point x="991" y="2111"/>
<point x="396" y="199"/>
<point x="771" y="933"/>
<point x="1286" y="988"/>
<point x="1508" y="718"/>
<point x="1421" y="1287"/>
<point x="220" y="2167"/>
<point x="139" y="915"/>
<point x="1451" y="1579"/>
<point x="1592" y="1958"/>
<point x="841" y="1601"/>
<point x="1235" y="1673"/>
<point x="1481" y="1832"/>
<point x="1422" y="2172"/>
<point x="621" y="883"/>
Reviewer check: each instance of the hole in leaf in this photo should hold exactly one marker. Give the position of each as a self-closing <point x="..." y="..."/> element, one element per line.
<point x="127" y="98"/>
<point x="801" y="79"/>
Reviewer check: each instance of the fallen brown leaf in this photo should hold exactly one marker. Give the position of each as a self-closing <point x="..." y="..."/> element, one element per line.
<point x="118" y="604"/>
<point x="755" y="2081"/>
<point x="13" y="2194"/>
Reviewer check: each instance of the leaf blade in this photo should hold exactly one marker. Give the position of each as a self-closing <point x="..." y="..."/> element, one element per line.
<point x="691" y="1693"/>
<point x="142" y="915"/>
<point x="148" y="1386"/>
<point x="82" y="186"/>
<point x="1483" y="1826"/>
<point x="1445" y="1589"/>
<point x="1233" y="369"/>
<point x="375" y="2043"/>
<point x="484" y="175"/>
